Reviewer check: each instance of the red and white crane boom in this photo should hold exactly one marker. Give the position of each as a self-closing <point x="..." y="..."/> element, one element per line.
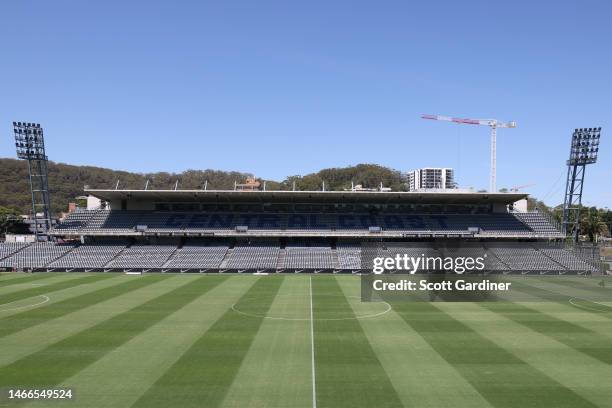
<point x="493" y="124"/>
<point x="517" y="188"/>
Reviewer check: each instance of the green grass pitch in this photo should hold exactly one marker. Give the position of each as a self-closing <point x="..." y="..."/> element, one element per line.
<point x="292" y="341"/>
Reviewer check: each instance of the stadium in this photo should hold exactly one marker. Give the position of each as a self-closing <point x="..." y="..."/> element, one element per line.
<point x="289" y="231"/>
<point x="253" y="298"/>
<point x="273" y="205"/>
<point x="264" y="298"/>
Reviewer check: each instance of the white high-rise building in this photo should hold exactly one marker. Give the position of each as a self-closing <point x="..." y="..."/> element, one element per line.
<point x="431" y="178"/>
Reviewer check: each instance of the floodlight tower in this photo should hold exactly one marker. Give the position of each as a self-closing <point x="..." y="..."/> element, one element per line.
<point x="30" y="145"/>
<point x="493" y="124"/>
<point x="583" y="151"/>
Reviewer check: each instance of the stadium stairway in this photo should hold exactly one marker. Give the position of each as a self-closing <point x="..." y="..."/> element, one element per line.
<point x="568" y="260"/>
<point x="226" y="258"/>
<point x="6" y="253"/>
<point x="563" y="267"/>
<point x="282" y="254"/>
<point x="117" y="255"/>
<point x="172" y="255"/>
<point x="60" y="257"/>
<point x="489" y="251"/>
<point x="335" y="261"/>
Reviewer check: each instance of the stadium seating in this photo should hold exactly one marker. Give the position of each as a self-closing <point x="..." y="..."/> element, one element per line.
<point x="349" y="256"/>
<point x="309" y="258"/>
<point x="115" y="221"/>
<point x="567" y="259"/>
<point x="491" y="262"/>
<point x="197" y="257"/>
<point x="75" y="221"/>
<point x="142" y="257"/>
<point x="122" y="222"/>
<point x="36" y="255"/>
<point x="9" y="248"/>
<point x="537" y="222"/>
<point x="88" y="256"/>
<point x="524" y="258"/>
<point x="500" y="256"/>
<point x="252" y="257"/>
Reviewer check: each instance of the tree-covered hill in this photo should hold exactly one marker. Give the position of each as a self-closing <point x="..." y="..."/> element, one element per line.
<point x="67" y="181"/>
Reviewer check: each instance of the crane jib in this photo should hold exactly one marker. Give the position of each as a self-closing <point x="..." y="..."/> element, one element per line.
<point x="493" y="125"/>
<point x="468" y="121"/>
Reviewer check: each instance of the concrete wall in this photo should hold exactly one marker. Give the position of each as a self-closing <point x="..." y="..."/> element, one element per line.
<point x="133" y="205"/>
<point x="93" y="203"/>
<point x="521" y="205"/>
<point x="20" y="238"/>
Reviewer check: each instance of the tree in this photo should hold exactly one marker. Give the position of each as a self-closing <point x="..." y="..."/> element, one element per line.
<point x="339" y="179"/>
<point x="591" y="224"/>
<point x="11" y="222"/>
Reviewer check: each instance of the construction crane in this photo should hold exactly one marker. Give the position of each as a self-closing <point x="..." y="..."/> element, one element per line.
<point x="517" y="188"/>
<point x="493" y="124"/>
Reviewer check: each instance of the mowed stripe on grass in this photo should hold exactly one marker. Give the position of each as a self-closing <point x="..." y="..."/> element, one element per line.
<point x="540" y="290"/>
<point x="41" y="279"/>
<point x="588" y="319"/>
<point x="498" y="375"/>
<point x="348" y="372"/>
<point x="586" y="376"/>
<point x="5" y="276"/>
<point x="577" y="337"/>
<point x="276" y="371"/>
<point x="36" y="338"/>
<point x="70" y="281"/>
<point x="420" y="376"/>
<point x="20" y="321"/>
<point x="42" y="301"/>
<point x="567" y="295"/>
<point x="205" y="372"/>
<point x="26" y="284"/>
<point x="147" y="356"/>
<point x="589" y="283"/>
<point x="67" y="357"/>
<point x="13" y="278"/>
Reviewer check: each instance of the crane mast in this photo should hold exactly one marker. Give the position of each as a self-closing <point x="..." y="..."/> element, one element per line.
<point x="493" y="124"/>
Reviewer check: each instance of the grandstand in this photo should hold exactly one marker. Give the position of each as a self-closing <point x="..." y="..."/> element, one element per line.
<point x="106" y="222"/>
<point x="292" y="231"/>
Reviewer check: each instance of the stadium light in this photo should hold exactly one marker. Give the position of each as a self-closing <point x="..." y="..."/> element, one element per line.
<point x="29" y="141"/>
<point x="30" y="146"/>
<point x="583" y="151"/>
<point x="585" y="146"/>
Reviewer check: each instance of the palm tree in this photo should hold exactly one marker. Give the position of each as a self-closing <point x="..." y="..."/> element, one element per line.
<point x="592" y="225"/>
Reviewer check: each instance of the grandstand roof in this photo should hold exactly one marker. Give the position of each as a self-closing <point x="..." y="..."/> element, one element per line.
<point x="433" y="197"/>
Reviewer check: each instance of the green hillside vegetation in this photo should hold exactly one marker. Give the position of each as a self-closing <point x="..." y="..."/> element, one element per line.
<point x="67" y="181"/>
<point x="368" y="175"/>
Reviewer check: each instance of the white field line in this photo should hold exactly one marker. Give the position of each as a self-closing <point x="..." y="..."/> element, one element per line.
<point x="26" y="306"/>
<point x="586" y="307"/>
<point x="366" y="316"/>
<point x="314" y="388"/>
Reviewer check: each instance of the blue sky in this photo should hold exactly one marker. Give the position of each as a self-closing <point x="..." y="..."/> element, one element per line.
<point x="279" y="88"/>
